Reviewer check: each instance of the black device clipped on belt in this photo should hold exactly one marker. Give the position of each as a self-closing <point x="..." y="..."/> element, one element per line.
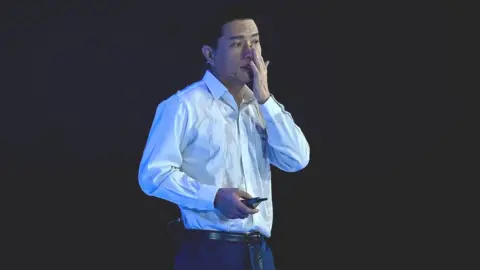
<point x="175" y="230"/>
<point x="253" y="202"/>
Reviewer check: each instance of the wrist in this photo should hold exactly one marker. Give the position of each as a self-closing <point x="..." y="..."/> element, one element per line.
<point x="263" y="98"/>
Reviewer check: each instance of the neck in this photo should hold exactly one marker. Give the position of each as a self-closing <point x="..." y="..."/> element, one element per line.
<point x="235" y="91"/>
<point x="234" y="88"/>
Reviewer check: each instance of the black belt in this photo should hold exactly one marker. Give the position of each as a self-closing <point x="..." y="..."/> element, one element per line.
<point x="247" y="238"/>
<point x="256" y="260"/>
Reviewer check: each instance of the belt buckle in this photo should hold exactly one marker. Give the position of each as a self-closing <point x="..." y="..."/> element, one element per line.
<point x="251" y="238"/>
<point x="246" y="236"/>
<point x="214" y="236"/>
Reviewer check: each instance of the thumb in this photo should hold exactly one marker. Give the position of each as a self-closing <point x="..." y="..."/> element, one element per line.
<point x="243" y="194"/>
<point x="267" y="63"/>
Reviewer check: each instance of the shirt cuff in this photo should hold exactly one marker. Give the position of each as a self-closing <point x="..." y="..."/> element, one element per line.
<point x="206" y="196"/>
<point x="270" y="108"/>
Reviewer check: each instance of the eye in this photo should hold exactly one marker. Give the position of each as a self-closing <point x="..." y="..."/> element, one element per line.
<point x="256" y="41"/>
<point x="236" y="44"/>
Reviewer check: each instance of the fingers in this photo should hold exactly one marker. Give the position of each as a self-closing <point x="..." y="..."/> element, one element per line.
<point x="258" y="64"/>
<point x="242" y="207"/>
<point x="254" y="68"/>
<point x="243" y="194"/>
<point x="238" y="210"/>
<point x="256" y="57"/>
<point x="245" y="209"/>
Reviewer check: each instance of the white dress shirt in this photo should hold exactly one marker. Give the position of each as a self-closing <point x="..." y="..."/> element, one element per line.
<point x="200" y="141"/>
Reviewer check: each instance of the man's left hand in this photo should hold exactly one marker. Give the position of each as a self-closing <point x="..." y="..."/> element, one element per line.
<point x="260" y="83"/>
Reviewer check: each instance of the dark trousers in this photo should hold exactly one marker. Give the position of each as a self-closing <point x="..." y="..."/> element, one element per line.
<point x="198" y="253"/>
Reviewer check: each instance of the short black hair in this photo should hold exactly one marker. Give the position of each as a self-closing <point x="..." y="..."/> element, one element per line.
<point x="224" y="13"/>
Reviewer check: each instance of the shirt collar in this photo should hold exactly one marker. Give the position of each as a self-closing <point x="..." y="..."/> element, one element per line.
<point x="217" y="89"/>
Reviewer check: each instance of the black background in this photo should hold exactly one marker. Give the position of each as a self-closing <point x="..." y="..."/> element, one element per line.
<point x="366" y="82"/>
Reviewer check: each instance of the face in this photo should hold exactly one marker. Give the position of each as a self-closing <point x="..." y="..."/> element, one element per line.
<point x="230" y="61"/>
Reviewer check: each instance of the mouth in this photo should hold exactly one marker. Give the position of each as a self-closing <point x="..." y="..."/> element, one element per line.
<point x="247" y="68"/>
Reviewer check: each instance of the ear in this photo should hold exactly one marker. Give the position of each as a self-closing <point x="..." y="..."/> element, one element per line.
<point x="209" y="54"/>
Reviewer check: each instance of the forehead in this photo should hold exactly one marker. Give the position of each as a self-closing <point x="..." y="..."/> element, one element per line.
<point x="245" y="27"/>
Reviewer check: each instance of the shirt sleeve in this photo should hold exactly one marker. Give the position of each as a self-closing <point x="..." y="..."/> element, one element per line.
<point x="288" y="149"/>
<point x="159" y="173"/>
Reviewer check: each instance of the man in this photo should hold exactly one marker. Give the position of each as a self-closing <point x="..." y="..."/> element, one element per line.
<point x="211" y="145"/>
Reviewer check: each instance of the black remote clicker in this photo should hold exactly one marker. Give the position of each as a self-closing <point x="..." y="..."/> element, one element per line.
<point x="253" y="202"/>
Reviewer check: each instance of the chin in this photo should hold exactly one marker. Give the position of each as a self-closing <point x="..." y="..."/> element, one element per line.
<point x="245" y="77"/>
<point x="245" y="80"/>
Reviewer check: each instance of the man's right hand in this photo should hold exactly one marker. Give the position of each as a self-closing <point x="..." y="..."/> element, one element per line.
<point x="228" y="202"/>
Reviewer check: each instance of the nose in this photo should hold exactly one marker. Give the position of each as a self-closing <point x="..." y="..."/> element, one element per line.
<point x="248" y="52"/>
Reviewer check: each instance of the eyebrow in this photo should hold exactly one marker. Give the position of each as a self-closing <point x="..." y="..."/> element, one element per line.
<point x="242" y="37"/>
